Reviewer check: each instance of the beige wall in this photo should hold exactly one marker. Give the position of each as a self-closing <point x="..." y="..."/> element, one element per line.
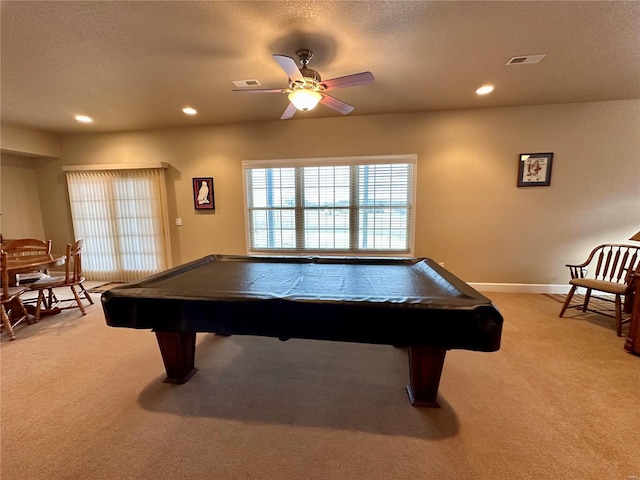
<point x="19" y="198"/>
<point x="470" y="214"/>
<point x="25" y="141"/>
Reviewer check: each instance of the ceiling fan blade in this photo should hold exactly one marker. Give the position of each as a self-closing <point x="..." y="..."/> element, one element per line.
<point x="289" y="112"/>
<point x="261" y="90"/>
<point x="337" y="105"/>
<point x="362" y="78"/>
<point x="289" y="65"/>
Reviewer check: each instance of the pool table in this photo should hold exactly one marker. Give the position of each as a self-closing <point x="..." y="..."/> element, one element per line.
<point x="403" y="302"/>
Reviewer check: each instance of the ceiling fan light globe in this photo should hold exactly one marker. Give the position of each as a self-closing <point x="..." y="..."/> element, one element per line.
<point x="304" y="99"/>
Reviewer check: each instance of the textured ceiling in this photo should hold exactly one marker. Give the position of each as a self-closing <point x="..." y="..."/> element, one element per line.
<point x="134" y="65"/>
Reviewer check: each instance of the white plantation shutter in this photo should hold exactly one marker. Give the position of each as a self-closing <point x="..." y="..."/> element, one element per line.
<point x="331" y="206"/>
<point x="121" y="215"/>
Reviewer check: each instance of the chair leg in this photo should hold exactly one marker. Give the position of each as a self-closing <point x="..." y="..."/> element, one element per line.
<point x="618" y="315"/>
<point x="587" y="297"/>
<point x="20" y="306"/>
<point x="14" y="313"/>
<point x="50" y="299"/>
<point x="568" y="300"/>
<point x="6" y="323"/>
<point x="86" y="294"/>
<point x="39" y="302"/>
<point x="78" y="301"/>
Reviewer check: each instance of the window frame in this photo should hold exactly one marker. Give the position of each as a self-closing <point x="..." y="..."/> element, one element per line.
<point x="350" y="161"/>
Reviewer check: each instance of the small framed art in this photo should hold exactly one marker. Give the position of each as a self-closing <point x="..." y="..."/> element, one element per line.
<point x="203" y="193"/>
<point x="534" y="169"/>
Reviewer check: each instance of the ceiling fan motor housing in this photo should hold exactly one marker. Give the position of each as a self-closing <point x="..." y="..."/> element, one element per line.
<point x="311" y="77"/>
<point x="310" y="73"/>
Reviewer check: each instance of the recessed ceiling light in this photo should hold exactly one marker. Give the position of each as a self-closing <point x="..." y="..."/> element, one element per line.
<point x="189" y="110"/>
<point x="84" y="119"/>
<point x="483" y="90"/>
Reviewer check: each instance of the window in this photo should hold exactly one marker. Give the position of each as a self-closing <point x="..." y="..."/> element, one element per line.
<point x="332" y="206"/>
<point x="121" y="215"/>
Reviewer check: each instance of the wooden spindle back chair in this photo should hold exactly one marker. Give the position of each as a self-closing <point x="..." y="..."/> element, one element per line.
<point x="608" y="269"/>
<point x="28" y="246"/>
<point x="72" y="278"/>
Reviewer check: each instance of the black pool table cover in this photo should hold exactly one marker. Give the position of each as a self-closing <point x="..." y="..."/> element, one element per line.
<point x="409" y="302"/>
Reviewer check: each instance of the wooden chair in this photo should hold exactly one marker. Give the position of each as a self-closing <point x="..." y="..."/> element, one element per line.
<point x="609" y="269"/>
<point x="13" y="310"/>
<point x="28" y="246"/>
<point x="72" y="278"/>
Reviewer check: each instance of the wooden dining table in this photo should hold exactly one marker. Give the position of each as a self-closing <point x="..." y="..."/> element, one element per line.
<point x="32" y="263"/>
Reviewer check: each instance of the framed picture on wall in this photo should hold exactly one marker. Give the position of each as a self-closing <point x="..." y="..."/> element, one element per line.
<point x="534" y="169"/>
<point x="203" y="193"/>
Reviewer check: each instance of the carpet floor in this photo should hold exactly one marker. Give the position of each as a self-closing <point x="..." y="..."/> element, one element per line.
<point x="598" y="304"/>
<point x="81" y="400"/>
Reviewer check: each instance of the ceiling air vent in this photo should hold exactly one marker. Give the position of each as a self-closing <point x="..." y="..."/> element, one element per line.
<point x="525" y="59"/>
<point x="246" y="83"/>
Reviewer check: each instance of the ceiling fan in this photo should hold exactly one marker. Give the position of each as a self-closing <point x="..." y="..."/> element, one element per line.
<point x="306" y="88"/>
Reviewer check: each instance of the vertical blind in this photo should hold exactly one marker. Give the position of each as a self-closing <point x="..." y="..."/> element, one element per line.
<point x="121" y="215"/>
<point x="341" y="206"/>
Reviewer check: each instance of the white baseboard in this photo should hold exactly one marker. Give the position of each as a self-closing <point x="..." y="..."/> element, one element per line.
<point x="520" y="287"/>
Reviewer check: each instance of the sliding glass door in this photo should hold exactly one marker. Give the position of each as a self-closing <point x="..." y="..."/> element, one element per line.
<point x="121" y="214"/>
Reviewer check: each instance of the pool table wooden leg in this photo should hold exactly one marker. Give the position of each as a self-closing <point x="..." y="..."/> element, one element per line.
<point x="178" y="351"/>
<point x="425" y="368"/>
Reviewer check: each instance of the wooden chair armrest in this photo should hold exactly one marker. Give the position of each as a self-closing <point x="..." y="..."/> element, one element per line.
<point x="578" y="271"/>
<point x="580" y="265"/>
